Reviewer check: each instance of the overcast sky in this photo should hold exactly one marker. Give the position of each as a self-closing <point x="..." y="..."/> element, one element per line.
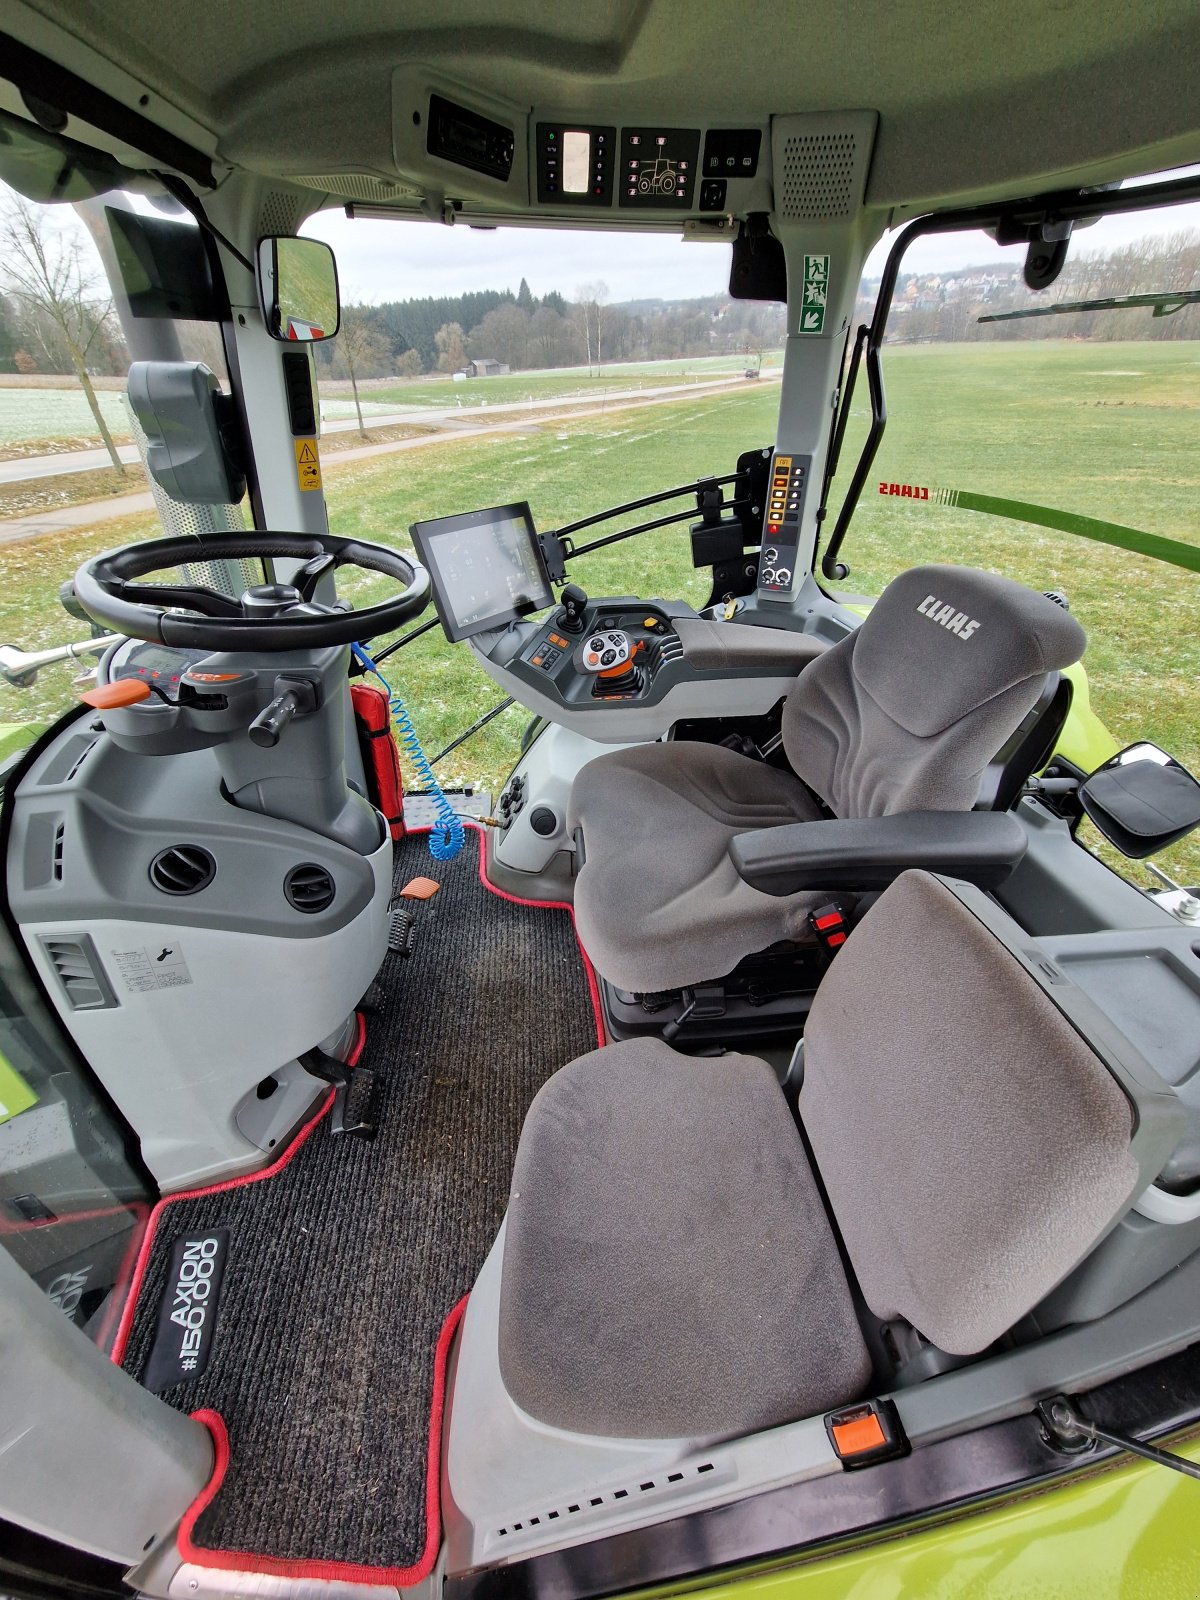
<point x="380" y="260"/>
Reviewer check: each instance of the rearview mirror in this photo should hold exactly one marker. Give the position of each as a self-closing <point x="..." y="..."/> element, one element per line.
<point x="1142" y="800"/>
<point x="298" y="285"/>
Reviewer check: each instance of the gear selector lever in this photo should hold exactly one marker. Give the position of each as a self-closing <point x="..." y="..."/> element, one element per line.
<point x="293" y="697"/>
<point x="572" y="617"/>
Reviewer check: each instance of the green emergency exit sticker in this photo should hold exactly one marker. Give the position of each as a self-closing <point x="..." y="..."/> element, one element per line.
<point x="816" y="292"/>
<point x="15" y="1094"/>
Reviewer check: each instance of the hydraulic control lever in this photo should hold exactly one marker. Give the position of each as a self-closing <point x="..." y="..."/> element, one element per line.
<point x="573" y="615"/>
<point x="294" y="697"/>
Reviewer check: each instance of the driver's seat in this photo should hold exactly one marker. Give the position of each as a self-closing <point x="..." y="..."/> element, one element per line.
<point x="902" y="715"/>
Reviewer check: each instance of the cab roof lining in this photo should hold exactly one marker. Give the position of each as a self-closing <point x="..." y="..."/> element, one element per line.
<point x="974" y="103"/>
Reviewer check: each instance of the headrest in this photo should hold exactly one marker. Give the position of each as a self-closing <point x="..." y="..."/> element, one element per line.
<point x="941" y="641"/>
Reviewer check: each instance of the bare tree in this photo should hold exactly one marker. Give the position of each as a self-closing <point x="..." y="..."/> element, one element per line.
<point x="47" y="278"/>
<point x="361" y="347"/>
<point x="592" y="299"/>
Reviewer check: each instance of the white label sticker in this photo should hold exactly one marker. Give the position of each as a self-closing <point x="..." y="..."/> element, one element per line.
<point x="154" y="967"/>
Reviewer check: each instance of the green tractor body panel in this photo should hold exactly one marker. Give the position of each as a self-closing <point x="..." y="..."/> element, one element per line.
<point x="1127" y="1532"/>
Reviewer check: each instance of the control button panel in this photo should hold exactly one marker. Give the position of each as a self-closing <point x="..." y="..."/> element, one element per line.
<point x="781" y="525"/>
<point x="575" y="164"/>
<point x="604" y="652"/>
<point x="658" y="167"/>
<point x="731" y="152"/>
<point x="548" y="651"/>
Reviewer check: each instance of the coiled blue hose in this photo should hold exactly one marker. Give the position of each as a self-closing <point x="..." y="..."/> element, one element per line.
<point x="448" y="836"/>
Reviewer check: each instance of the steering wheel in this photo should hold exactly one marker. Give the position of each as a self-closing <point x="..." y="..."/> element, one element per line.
<point x="270" y="617"/>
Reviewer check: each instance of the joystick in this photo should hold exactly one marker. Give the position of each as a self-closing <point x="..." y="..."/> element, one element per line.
<point x="572" y="617"/>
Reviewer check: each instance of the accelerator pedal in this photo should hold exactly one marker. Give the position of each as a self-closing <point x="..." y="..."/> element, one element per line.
<point x="356" y="1101"/>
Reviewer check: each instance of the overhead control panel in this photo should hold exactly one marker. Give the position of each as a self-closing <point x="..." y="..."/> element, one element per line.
<point x="574" y="164"/>
<point x="469" y="152"/>
<point x="658" y="167"/>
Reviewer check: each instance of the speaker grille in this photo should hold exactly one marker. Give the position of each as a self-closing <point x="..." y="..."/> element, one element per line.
<point x="818" y="176"/>
<point x="281" y="213"/>
<point x="361" y="186"/>
<point x="182" y="869"/>
<point x="309" y="888"/>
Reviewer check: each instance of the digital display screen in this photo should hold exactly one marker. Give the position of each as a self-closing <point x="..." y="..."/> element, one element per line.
<point x="486" y="567"/>
<point x="576" y="161"/>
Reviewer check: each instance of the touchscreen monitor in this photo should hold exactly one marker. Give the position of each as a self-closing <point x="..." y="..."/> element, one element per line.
<point x="486" y="567"/>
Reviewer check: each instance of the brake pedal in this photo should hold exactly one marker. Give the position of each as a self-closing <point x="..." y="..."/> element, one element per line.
<point x="356" y="1105"/>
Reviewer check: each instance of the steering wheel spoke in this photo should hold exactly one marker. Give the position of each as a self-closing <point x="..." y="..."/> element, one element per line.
<point x="106" y="589"/>
<point x="187" y="596"/>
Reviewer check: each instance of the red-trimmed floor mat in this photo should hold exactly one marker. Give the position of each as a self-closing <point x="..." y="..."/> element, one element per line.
<point x="328" y="1355"/>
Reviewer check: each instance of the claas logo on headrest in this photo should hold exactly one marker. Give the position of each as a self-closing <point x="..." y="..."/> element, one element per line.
<point x="954" y="621"/>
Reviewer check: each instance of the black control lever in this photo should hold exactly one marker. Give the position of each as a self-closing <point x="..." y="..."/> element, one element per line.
<point x="293" y="697"/>
<point x="573" y="615"/>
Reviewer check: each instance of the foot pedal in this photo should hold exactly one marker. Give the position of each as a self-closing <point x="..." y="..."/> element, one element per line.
<point x="356" y="1105"/>
<point x="402" y="932"/>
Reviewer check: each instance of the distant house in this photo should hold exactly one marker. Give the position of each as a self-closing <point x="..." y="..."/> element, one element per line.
<point x="486" y="367"/>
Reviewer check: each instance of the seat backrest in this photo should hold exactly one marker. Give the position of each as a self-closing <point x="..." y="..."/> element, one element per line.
<point x="906" y="713"/>
<point x="974" y="1144"/>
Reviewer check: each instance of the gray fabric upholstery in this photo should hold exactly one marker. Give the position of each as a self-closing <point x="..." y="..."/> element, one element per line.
<point x="905" y="713"/>
<point x="669" y="1269"/>
<point x="972" y="1146"/>
<point x="720" y="645"/>
<point x="658" y="902"/>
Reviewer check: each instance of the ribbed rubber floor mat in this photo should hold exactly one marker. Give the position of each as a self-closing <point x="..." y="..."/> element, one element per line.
<point x="343" y="1265"/>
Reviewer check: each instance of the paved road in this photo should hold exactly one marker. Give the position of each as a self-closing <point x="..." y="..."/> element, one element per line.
<point x="25" y="469"/>
<point x="458" y="425"/>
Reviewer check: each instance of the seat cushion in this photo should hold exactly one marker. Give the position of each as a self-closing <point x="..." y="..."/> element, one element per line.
<point x="669" y="1269"/>
<point x="973" y="1146"/>
<point x="658" y="902"/>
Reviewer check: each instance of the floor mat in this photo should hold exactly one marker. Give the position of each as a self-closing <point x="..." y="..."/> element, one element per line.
<point x="344" y="1263"/>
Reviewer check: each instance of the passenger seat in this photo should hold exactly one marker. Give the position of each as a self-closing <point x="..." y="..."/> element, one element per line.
<point x="670" y="1268"/>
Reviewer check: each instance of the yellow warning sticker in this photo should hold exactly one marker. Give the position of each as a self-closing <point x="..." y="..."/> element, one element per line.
<point x="308" y="464"/>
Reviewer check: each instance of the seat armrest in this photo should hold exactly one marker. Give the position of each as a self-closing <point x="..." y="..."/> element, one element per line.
<point x="983" y="847"/>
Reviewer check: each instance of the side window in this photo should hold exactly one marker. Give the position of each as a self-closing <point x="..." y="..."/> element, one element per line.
<point x="1008" y="433"/>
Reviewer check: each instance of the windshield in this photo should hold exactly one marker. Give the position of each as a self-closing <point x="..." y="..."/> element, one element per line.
<point x="1093" y="414"/>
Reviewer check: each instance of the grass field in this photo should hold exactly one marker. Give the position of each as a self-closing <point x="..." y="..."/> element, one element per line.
<point x="569" y="383"/>
<point x="58" y="414"/>
<point x="1108" y="430"/>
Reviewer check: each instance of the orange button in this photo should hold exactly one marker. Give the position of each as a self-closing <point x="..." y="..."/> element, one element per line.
<point x="856" y="1437"/>
<point x="125" y="692"/>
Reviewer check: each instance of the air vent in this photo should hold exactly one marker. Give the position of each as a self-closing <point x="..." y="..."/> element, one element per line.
<point x="309" y="888"/>
<point x="60" y="840"/>
<point x="614" y="1497"/>
<point x="182" y="869"/>
<point x="78" y="970"/>
<point x="818" y="177"/>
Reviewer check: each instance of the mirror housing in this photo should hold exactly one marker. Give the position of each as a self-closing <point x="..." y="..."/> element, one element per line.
<point x="1141" y="800"/>
<point x="298" y="288"/>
